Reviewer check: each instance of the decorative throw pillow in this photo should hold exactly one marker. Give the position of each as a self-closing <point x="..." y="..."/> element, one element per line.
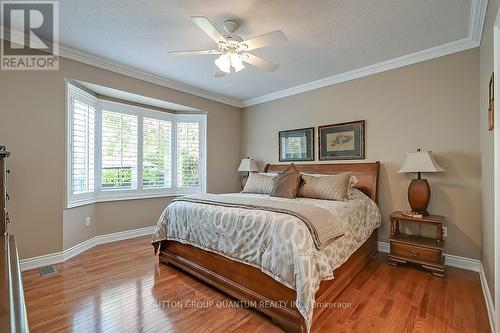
<point x="259" y="183"/>
<point x="286" y="183"/>
<point x="328" y="187"/>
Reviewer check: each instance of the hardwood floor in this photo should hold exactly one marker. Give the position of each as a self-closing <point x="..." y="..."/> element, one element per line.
<point x="120" y="287"/>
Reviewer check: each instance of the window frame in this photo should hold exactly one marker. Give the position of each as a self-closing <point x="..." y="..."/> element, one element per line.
<point x="203" y="139"/>
<point x="90" y="100"/>
<point x="99" y="195"/>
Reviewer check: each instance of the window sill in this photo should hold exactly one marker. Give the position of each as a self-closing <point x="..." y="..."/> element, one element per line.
<point x="89" y="201"/>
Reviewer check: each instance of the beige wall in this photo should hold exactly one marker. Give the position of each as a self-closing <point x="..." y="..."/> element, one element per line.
<point x="431" y="105"/>
<point x="32" y="126"/>
<point x="129" y="214"/>
<point x="74" y="229"/>
<point x="110" y="217"/>
<point x="486" y="139"/>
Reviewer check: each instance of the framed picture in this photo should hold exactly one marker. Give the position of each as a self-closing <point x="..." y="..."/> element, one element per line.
<point x="296" y="145"/>
<point x="491" y="103"/>
<point x="344" y="141"/>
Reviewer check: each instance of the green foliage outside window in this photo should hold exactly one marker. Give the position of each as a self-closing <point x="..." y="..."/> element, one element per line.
<point x="189" y="169"/>
<point x="153" y="177"/>
<point x="117" y="177"/>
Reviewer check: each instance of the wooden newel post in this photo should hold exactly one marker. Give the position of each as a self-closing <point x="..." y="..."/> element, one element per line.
<point x="4" y="154"/>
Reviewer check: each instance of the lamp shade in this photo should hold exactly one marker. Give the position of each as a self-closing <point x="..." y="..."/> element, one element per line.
<point x="248" y="165"/>
<point x="420" y="161"/>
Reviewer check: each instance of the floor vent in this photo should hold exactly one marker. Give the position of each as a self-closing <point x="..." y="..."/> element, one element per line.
<point x="47" y="271"/>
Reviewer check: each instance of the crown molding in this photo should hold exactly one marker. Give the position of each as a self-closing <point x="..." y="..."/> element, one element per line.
<point x="103" y="63"/>
<point x="476" y="20"/>
<point x="410" y="59"/>
<point x="476" y="25"/>
<point x="473" y="40"/>
<point x="96" y="61"/>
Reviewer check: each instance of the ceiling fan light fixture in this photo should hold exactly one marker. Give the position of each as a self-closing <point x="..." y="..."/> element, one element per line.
<point x="232" y="48"/>
<point x="236" y="62"/>
<point x="224" y="63"/>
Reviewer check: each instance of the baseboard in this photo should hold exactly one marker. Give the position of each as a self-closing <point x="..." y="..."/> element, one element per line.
<point x="383" y="247"/>
<point x="116" y="236"/>
<point x="487" y="298"/>
<point x="462" y="262"/>
<point x="55" y="258"/>
<point x="449" y="259"/>
<point x="45" y="260"/>
<point x="70" y="252"/>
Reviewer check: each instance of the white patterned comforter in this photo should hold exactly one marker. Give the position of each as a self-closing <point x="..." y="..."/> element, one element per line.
<point x="278" y="244"/>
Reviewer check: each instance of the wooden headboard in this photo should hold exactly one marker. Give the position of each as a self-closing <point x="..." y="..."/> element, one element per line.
<point x="367" y="173"/>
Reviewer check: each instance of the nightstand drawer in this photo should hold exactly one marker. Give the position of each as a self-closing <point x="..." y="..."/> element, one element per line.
<point x="416" y="252"/>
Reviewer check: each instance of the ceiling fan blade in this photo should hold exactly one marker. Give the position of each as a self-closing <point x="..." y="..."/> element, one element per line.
<point x="259" y="62"/>
<point x="194" y="52"/>
<point x="208" y="28"/>
<point x="264" y="40"/>
<point x="219" y="73"/>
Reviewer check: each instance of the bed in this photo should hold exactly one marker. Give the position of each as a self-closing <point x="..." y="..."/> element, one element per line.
<point x="285" y="300"/>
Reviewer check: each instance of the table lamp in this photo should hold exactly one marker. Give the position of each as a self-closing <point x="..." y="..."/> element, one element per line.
<point x="247" y="165"/>
<point x="419" y="192"/>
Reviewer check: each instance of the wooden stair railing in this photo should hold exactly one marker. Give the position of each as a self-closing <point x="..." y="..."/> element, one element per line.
<point x="13" y="317"/>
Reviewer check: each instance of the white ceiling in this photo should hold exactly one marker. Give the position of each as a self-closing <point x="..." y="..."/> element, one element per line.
<point x="325" y="38"/>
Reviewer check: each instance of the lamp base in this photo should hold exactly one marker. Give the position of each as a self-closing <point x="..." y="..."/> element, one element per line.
<point x="419" y="196"/>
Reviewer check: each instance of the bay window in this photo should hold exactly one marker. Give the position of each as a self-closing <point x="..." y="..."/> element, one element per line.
<point x="82" y="138"/>
<point x="157" y="153"/>
<point x="118" y="151"/>
<point x="119" y="156"/>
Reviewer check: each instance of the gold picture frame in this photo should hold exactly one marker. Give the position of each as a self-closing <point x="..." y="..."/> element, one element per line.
<point x="491" y="103"/>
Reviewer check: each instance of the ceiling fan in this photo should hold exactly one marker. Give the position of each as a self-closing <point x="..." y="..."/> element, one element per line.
<point x="232" y="48"/>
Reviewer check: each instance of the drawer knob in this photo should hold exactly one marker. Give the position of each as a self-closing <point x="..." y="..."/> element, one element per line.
<point x="413" y="253"/>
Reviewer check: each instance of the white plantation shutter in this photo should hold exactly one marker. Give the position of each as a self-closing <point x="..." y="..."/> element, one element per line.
<point x="118" y="151"/>
<point x="157" y="153"/>
<point x="188" y="154"/>
<point x="82" y="138"/>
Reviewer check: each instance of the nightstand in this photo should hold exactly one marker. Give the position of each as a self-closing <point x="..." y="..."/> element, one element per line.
<point x="424" y="251"/>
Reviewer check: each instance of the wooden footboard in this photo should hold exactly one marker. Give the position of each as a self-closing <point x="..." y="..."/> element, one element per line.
<point x="249" y="284"/>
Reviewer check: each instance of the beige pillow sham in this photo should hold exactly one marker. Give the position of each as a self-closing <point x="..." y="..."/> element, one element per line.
<point x="286" y="183"/>
<point x="350" y="189"/>
<point x="328" y="187"/>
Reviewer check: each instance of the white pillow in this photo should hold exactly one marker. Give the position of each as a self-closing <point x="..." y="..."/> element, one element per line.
<point x="270" y="174"/>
